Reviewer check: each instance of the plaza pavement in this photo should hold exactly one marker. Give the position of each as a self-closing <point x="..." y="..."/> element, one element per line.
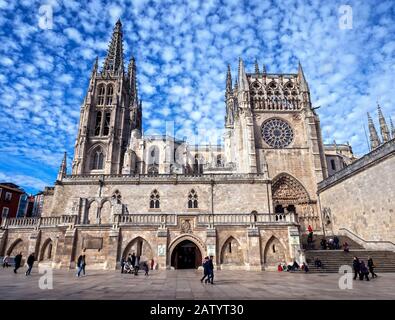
<point x="185" y="284"/>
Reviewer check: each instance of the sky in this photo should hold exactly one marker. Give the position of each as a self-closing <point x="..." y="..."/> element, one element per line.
<point x="182" y="49"/>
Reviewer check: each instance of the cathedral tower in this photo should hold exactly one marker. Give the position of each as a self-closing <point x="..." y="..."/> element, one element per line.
<point x="109" y="114"/>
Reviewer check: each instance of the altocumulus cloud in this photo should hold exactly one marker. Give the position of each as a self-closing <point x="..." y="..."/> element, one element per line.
<point x="182" y="48"/>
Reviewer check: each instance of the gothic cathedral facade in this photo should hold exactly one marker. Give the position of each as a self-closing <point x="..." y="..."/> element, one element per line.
<point x="245" y="202"/>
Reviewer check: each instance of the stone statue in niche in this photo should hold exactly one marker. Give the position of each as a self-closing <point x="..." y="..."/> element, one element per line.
<point x="327" y="215"/>
<point x="186" y="226"/>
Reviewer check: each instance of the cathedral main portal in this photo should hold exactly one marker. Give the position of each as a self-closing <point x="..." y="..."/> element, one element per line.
<point x="186" y="255"/>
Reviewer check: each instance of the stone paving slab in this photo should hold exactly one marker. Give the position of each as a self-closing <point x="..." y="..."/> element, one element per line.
<point x="185" y="284"/>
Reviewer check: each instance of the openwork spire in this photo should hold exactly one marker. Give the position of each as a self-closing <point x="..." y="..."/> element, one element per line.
<point x="374" y="138"/>
<point x="133" y="80"/>
<point x="392" y="129"/>
<point x="385" y="134"/>
<point x="114" y="59"/>
<point x="302" y="80"/>
<point x="256" y="67"/>
<point x="263" y="69"/>
<point x="63" y="168"/>
<point x="242" y="80"/>
<point x="228" y="81"/>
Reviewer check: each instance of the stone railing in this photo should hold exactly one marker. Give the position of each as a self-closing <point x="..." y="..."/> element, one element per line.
<point x="145" y="219"/>
<point x="39" y="222"/>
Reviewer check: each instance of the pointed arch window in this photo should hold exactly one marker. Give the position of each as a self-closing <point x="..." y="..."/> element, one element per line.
<point x="97" y="159"/>
<point x="106" y="128"/>
<point x="100" y="95"/>
<point x="110" y="92"/>
<point x="192" y="199"/>
<point x="154" y="200"/>
<point x="98" y="123"/>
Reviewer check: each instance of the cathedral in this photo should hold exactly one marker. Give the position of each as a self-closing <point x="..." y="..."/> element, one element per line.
<point x="246" y="202"/>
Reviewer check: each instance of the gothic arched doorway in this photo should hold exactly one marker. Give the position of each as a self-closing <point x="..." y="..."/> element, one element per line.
<point x="186" y="255"/>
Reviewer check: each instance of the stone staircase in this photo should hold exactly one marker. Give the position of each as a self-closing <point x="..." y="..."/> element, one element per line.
<point x="317" y="239"/>
<point x="333" y="259"/>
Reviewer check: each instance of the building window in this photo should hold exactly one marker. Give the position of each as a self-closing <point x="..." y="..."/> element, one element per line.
<point x="230" y="247"/>
<point x="98" y="123"/>
<point x="100" y="95"/>
<point x="98" y="159"/>
<point x="153" y="170"/>
<point x="153" y="155"/>
<point x="110" y="92"/>
<point x="4" y="213"/>
<point x="219" y="161"/>
<point x="154" y="200"/>
<point x="192" y="199"/>
<point x="333" y="165"/>
<point x="106" y="129"/>
<point x="8" y="196"/>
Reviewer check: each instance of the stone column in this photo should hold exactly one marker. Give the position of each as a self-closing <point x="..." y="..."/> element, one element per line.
<point x="254" y="249"/>
<point x="211" y="244"/>
<point x="112" y="249"/>
<point x="66" y="249"/>
<point x="34" y="243"/>
<point x="295" y="250"/>
<point x="162" y="247"/>
<point x="3" y="241"/>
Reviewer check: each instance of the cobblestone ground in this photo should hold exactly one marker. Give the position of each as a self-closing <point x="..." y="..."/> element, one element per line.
<point x="185" y="284"/>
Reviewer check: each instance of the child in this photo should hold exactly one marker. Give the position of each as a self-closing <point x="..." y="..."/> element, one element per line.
<point x="145" y="268"/>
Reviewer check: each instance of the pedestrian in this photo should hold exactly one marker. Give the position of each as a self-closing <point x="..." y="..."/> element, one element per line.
<point x="79" y="265"/>
<point x="331" y="243"/>
<point x="205" y="270"/>
<point x="364" y="272"/>
<point x="136" y="265"/>
<point x="279" y="267"/>
<point x="356" y="266"/>
<point x="122" y="264"/>
<point x="17" y="261"/>
<point x="310" y="229"/>
<point x="145" y="268"/>
<point x="211" y="270"/>
<point x="336" y="242"/>
<point x="371" y="267"/>
<point x="305" y="267"/>
<point x="30" y="262"/>
<point x="132" y="260"/>
<point x="152" y="264"/>
<point x="346" y="247"/>
<point x="323" y="244"/>
<point x="6" y="261"/>
<point x="318" y="263"/>
<point x="83" y="265"/>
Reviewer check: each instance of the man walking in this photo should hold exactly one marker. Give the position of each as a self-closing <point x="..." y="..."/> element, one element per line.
<point x="206" y="270"/>
<point x="211" y="270"/>
<point x="17" y="261"/>
<point x="356" y="266"/>
<point x="371" y="267"/>
<point x="30" y="262"/>
<point x="80" y="264"/>
<point x="6" y="261"/>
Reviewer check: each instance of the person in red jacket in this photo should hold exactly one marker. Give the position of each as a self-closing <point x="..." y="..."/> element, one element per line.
<point x="310" y="229"/>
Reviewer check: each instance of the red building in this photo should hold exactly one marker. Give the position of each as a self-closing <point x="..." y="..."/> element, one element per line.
<point x="10" y="195"/>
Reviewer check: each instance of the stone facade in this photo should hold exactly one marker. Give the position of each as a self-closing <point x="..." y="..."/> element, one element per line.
<point x="358" y="201"/>
<point x="245" y="202"/>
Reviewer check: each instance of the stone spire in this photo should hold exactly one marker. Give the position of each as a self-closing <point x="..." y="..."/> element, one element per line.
<point x="304" y="87"/>
<point x="133" y="81"/>
<point x="228" y="81"/>
<point x="242" y="78"/>
<point x="392" y="129"/>
<point x="93" y="74"/>
<point x="63" y="168"/>
<point x="256" y="67"/>
<point x="114" y="59"/>
<point x="374" y="138"/>
<point x="385" y="134"/>
<point x="263" y="69"/>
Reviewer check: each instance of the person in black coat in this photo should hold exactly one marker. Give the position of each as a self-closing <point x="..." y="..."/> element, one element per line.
<point x="122" y="264"/>
<point x="356" y="266"/>
<point x="206" y="270"/>
<point x="371" y="267"/>
<point x="30" y="262"/>
<point x="17" y="260"/>
<point x="211" y="270"/>
<point x="363" y="272"/>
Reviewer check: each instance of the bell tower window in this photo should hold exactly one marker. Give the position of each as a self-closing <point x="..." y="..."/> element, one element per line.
<point x="97" y="159"/>
<point x="98" y="123"/>
<point x="100" y="95"/>
<point x="106" y="128"/>
<point x="110" y="92"/>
